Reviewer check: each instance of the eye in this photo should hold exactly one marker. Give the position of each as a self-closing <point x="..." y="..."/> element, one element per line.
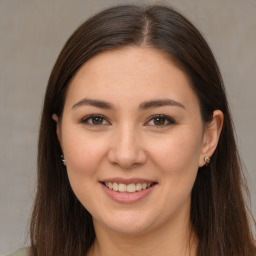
<point x="160" y="120"/>
<point x="95" y="120"/>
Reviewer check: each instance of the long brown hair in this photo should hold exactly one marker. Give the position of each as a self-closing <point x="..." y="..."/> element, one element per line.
<point x="60" y="225"/>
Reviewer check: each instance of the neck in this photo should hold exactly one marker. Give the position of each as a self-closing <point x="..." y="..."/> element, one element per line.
<point x="171" y="239"/>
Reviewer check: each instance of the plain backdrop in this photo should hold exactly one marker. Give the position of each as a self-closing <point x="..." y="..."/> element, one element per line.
<point x="32" y="35"/>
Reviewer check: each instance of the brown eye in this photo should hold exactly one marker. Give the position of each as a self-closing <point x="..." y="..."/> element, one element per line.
<point x="159" y="121"/>
<point x="96" y="120"/>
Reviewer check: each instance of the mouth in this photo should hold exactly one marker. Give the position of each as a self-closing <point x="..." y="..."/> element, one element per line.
<point x="128" y="191"/>
<point x="130" y="187"/>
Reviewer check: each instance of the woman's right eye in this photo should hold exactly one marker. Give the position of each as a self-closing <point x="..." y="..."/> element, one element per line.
<point x="96" y="120"/>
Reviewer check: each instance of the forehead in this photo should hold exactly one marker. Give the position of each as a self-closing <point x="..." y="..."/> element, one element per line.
<point x="131" y="73"/>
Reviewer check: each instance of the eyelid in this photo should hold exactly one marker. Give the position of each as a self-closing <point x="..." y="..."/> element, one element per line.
<point x="85" y="119"/>
<point x="168" y="118"/>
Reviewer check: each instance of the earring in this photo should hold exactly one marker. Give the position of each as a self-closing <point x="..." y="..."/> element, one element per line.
<point x="207" y="160"/>
<point x="63" y="159"/>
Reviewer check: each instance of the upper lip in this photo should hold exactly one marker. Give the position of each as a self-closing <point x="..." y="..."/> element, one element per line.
<point x="128" y="181"/>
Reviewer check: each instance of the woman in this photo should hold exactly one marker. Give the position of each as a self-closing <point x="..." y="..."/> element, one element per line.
<point x="136" y="149"/>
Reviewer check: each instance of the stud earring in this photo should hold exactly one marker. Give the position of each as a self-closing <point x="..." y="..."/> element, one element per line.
<point x="207" y="160"/>
<point x="63" y="160"/>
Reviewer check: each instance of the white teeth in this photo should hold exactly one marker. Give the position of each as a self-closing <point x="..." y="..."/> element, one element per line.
<point x="138" y="187"/>
<point x="110" y="185"/>
<point x="144" y="185"/>
<point x="130" y="188"/>
<point x="115" y="186"/>
<point x="122" y="187"/>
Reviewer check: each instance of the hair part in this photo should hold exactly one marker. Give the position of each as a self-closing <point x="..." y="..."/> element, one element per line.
<point x="60" y="225"/>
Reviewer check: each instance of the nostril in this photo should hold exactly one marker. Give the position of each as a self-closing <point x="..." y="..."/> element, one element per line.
<point x="127" y="158"/>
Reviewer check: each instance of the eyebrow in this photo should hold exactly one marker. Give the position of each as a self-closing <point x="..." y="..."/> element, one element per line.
<point x="160" y="103"/>
<point x="95" y="103"/>
<point x="143" y="106"/>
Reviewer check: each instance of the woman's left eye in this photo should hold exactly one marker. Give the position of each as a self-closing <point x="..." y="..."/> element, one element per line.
<point x="160" y="120"/>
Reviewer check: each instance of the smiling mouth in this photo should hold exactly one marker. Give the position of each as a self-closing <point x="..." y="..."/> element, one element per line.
<point x="128" y="188"/>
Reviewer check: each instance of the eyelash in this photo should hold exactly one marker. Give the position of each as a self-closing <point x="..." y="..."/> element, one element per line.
<point x="167" y="119"/>
<point x="86" y="119"/>
<point x="164" y="118"/>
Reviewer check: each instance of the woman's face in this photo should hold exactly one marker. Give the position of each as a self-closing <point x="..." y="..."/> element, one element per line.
<point x="133" y="138"/>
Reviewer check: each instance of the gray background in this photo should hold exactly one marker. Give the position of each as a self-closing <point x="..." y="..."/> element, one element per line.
<point x="32" y="34"/>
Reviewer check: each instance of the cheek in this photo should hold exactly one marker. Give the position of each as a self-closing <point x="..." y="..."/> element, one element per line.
<point x="83" y="158"/>
<point x="178" y="153"/>
<point x="83" y="153"/>
<point x="177" y="162"/>
<point x="176" y="159"/>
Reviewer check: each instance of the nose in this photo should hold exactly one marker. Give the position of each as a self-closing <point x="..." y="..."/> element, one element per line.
<point x="126" y="149"/>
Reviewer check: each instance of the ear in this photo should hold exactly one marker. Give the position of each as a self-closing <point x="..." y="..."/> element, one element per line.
<point x="211" y="136"/>
<point x="56" y="119"/>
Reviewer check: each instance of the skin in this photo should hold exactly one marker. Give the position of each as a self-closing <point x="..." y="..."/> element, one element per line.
<point x="130" y="142"/>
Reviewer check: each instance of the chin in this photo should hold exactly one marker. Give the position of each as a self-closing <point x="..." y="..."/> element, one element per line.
<point x="127" y="223"/>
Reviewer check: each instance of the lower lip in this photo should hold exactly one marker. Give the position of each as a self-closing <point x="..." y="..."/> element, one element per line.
<point x="127" y="197"/>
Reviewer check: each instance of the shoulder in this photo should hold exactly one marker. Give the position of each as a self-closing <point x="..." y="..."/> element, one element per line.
<point x="20" y="252"/>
